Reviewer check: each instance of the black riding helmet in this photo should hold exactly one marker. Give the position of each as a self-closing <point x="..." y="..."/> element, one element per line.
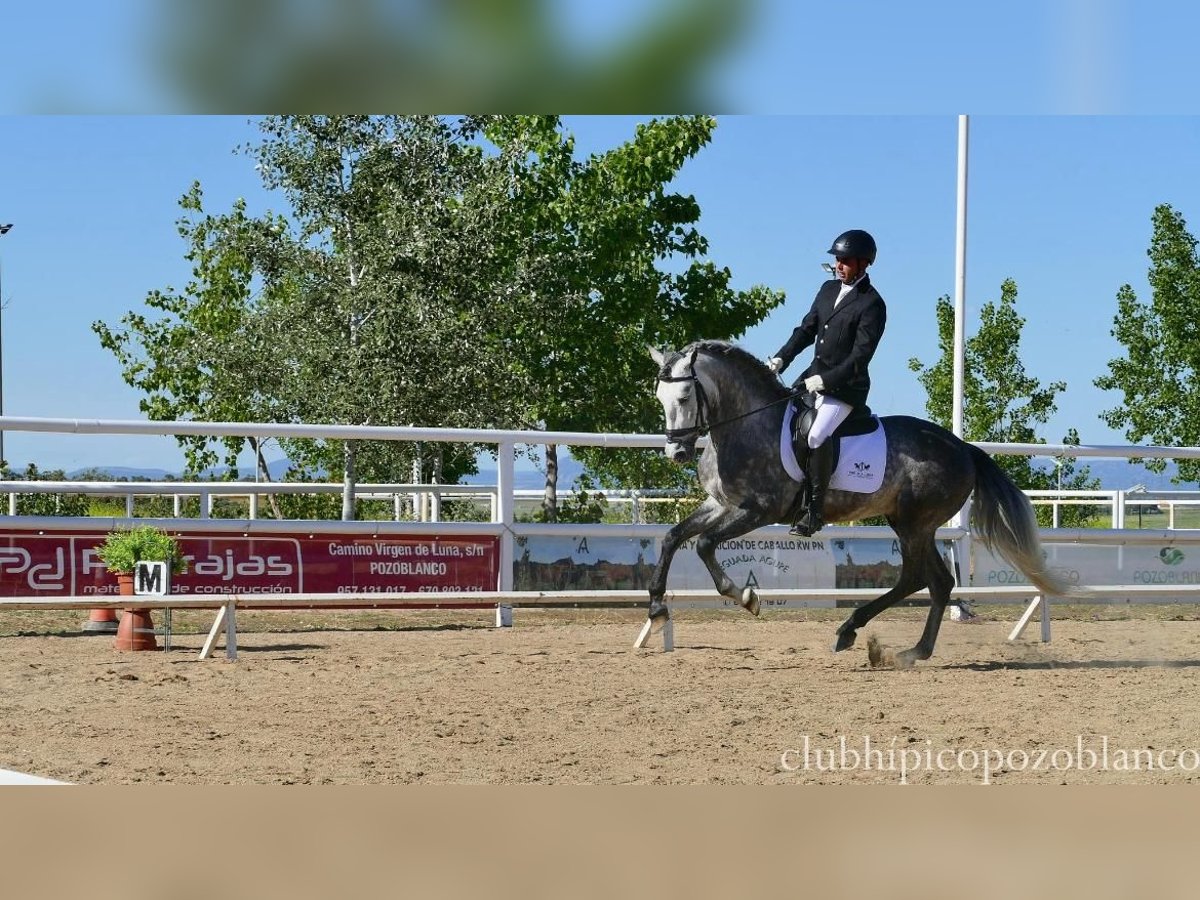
<point x="854" y="244"/>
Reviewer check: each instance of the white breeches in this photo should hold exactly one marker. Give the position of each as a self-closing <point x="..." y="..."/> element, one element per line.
<point x="831" y="413"/>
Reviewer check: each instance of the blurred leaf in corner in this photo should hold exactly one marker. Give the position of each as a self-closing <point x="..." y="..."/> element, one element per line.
<point x="461" y="55"/>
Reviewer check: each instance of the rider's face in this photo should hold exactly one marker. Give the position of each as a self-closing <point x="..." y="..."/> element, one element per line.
<point x="848" y="269"/>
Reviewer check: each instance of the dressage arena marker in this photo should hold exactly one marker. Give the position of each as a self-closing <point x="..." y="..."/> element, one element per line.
<point x="668" y="635"/>
<point x="1038" y="602"/>
<point x="226" y="615"/>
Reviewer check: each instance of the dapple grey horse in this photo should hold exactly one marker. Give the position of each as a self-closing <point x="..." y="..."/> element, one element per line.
<point x="719" y="388"/>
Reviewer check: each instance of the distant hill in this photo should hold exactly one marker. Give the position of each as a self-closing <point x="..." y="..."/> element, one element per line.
<point x="1120" y="475"/>
<point x="526" y="478"/>
<point x="122" y="473"/>
<point x="530" y="479"/>
<point x="277" y="469"/>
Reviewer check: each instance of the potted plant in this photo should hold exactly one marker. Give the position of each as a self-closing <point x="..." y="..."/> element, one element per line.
<point x="123" y="548"/>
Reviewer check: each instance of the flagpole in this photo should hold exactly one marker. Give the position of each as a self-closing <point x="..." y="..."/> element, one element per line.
<point x="963" y="545"/>
<point x="960" y="280"/>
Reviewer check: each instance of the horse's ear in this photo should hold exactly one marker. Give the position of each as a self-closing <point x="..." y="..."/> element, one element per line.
<point x="657" y="355"/>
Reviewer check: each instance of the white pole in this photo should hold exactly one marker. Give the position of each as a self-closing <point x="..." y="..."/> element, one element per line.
<point x="960" y="279"/>
<point x="418" y="513"/>
<point x="960" y="314"/>
<point x="506" y="455"/>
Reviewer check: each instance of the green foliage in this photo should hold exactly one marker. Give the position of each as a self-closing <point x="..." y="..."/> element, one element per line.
<point x="225" y="55"/>
<point x="309" y="506"/>
<point x="45" y="504"/>
<point x="1159" y="374"/>
<point x="430" y="271"/>
<point x="603" y="260"/>
<point x="105" y="508"/>
<point x="674" y="510"/>
<point x="580" y="506"/>
<point x="457" y="509"/>
<point x="633" y="468"/>
<point x="1002" y="403"/>
<point x="318" y="315"/>
<point x="124" y="548"/>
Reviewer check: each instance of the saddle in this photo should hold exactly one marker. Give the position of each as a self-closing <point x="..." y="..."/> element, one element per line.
<point x="860" y="421"/>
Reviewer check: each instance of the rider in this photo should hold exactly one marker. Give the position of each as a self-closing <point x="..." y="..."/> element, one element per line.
<point x="845" y="322"/>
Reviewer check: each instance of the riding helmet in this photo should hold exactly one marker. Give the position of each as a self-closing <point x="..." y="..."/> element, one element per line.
<point x="854" y="244"/>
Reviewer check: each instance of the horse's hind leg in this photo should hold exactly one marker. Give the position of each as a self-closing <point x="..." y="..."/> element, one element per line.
<point x="733" y="523"/>
<point x="941" y="583"/>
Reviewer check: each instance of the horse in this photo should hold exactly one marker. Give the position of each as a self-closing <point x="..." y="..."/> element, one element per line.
<point x="718" y="388"/>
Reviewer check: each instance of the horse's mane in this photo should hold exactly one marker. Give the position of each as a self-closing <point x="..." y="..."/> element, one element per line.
<point x="747" y="362"/>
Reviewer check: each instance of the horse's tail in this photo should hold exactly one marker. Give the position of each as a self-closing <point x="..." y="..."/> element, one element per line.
<point x="1003" y="518"/>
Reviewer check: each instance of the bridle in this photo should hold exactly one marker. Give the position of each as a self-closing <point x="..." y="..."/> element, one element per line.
<point x="702" y="427"/>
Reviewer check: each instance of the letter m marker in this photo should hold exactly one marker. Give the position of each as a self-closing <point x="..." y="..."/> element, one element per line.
<point x="152" y="578"/>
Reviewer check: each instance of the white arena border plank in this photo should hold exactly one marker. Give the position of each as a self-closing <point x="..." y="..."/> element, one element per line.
<point x="9" y="777"/>
<point x="228" y="604"/>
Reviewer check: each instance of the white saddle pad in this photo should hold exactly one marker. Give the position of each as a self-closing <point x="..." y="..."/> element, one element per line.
<point x="860" y="466"/>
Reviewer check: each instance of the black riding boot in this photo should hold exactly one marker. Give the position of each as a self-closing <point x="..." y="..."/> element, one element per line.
<point x="820" y="467"/>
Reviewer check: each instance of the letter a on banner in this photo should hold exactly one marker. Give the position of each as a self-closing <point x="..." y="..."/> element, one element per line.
<point x="152" y="578"/>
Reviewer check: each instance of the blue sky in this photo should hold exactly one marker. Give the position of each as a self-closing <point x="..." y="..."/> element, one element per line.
<point x="1061" y="204"/>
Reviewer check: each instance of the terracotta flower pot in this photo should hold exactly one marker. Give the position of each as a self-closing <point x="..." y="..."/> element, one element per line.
<point x="104" y="621"/>
<point x="136" y="631"/>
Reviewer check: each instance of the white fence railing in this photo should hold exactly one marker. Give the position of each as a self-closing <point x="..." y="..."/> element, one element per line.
<point x="504" y="494"/>
<point x="423" y="502"/>
<point x="409" y="501"/>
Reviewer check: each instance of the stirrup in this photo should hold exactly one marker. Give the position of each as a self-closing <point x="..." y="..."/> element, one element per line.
<point x="807" y="525"/>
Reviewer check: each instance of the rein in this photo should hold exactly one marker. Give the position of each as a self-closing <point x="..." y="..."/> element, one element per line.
<point x="701" y="428"/>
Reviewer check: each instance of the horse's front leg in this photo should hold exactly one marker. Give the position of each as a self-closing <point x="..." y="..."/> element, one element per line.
<point x="700" y="520"/>
<point x="733" y="523"/>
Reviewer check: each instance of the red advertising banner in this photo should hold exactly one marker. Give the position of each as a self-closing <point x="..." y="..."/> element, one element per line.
<point x="64" y="563"/>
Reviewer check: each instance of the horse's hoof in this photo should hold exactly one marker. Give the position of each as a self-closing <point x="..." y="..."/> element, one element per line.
<point x="845" y="640"/>
<point x="750" y="601"/>
<point x="658" y="614"/>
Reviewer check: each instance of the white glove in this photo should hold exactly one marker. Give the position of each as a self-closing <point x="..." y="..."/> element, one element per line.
<point x="814" y="384"/>
<point x="775" y="364"/>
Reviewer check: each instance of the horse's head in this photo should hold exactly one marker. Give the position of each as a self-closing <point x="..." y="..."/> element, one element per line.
<point x="710" y="384"/>
<point x="682" y="395"/>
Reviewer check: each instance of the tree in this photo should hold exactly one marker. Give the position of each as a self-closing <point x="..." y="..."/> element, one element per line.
<point x="1001" y="402"/>
<point x="605" y="259"/>
<point x="383" y="267"/>
<point x="199" y="360"/>
<point x="461" y="272"/>
<point x="339" y="311"/>
<point x="45" y="504"/>
<point x="1160" y="371"/>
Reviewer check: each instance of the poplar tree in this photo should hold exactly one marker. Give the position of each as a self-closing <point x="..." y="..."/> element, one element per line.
<point x="1159" y="374"/>
<point x="1002" y="402"/>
